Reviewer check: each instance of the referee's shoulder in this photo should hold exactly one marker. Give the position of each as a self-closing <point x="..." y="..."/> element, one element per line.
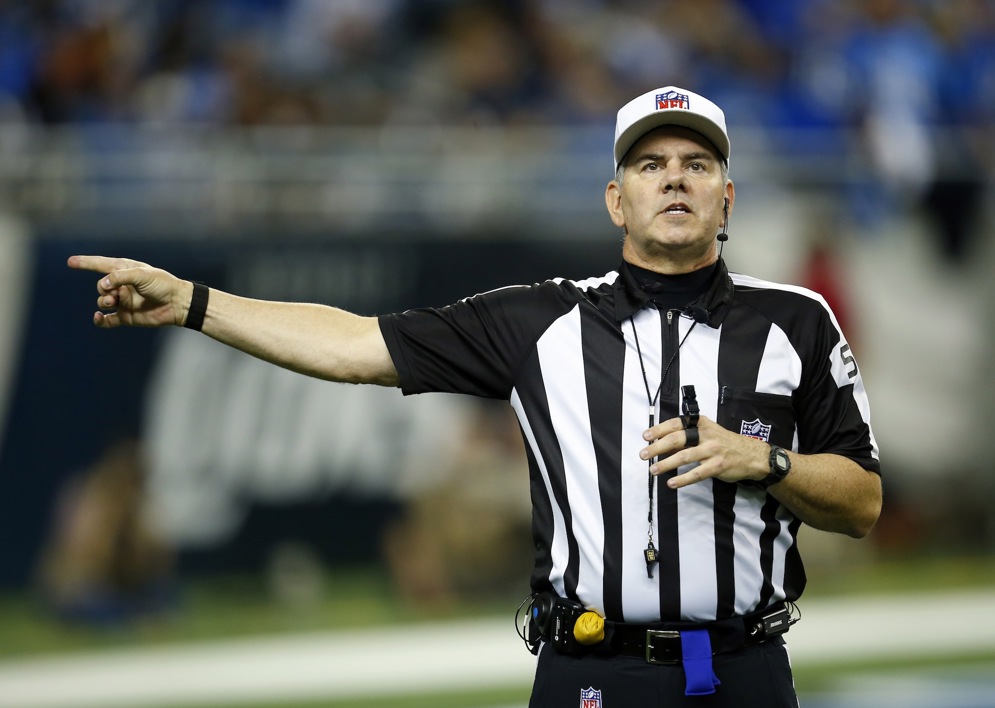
<point x="748" y="285"/>
<point x="793" y="308"/>
<point x="593" y="288"/>
<point x="557" y="288"/>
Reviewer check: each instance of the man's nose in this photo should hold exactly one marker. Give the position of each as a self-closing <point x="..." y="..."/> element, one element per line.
<point x="673" y="178"/>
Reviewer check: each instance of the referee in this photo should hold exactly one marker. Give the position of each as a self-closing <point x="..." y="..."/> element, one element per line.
<point x="680" y="421"/>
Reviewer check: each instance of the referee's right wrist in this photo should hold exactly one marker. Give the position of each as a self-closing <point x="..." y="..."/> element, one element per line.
<point x="197" y="299"/>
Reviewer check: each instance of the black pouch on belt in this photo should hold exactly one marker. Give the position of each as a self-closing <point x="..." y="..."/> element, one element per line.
<point x="565" y="614"/>
<point x="554" y="619"/>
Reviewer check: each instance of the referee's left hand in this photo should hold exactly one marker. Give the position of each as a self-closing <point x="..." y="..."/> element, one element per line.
<point x="721" y="454"/>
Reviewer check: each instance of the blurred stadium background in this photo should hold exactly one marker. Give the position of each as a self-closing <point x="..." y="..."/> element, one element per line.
<point x="156" y="489"/>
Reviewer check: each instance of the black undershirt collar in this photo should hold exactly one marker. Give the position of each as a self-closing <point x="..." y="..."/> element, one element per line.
<point x="673" y="291"/>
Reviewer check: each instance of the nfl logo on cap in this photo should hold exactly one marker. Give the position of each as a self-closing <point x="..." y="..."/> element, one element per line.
<point x="672" y="99"/>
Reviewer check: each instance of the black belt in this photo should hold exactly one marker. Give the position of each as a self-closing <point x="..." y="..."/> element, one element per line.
<point x="552" y="619"/>
<point x="660" y="642"/>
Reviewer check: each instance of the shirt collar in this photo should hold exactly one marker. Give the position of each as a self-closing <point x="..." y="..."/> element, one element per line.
<point x="631" y="296"/>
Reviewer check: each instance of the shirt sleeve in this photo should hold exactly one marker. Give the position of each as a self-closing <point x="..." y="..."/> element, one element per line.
<point x="475" y="346"/>
<point x="832" y="406"/>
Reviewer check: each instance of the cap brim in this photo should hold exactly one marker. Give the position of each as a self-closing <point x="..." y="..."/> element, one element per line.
<point x="679" y="117"/>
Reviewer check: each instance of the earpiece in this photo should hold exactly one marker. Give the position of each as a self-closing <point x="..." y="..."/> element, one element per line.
<point x="723" y="237"/>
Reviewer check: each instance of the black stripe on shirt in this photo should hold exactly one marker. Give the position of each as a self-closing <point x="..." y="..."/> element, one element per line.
<point x="741" y="349"/>
<point x="668" y="522"/>
<point x="534" y="400"/>
<point x="604" y="356"/>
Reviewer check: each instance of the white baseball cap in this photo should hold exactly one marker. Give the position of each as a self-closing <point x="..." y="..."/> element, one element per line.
<point x="670" y="105"/>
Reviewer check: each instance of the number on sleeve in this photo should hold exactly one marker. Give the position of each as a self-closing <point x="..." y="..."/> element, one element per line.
<point x="848" y="361"/>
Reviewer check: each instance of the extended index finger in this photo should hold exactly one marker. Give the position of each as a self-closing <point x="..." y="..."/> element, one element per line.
<point x="100" y="264"/>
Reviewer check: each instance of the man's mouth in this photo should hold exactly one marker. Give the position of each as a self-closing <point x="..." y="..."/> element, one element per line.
<point x="677" y="209"/>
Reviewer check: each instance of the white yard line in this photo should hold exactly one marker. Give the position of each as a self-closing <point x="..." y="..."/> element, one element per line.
<point x="900" y="626"/>
<point x="476" y="654"/>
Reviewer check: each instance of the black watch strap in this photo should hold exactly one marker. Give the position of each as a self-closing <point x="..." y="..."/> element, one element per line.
<point x="780" y="465"/>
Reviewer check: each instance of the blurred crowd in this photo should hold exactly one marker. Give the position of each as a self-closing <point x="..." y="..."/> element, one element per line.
<point x="909" y="83"/>
<point x="249" y="62"/>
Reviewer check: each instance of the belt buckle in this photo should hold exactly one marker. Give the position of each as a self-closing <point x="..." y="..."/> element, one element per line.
<point x="670" y="648"/>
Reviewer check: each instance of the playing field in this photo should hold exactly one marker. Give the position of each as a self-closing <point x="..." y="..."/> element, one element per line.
<point x="929" y="645"/>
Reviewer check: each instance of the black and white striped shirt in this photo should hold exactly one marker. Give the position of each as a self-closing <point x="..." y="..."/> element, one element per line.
<point x="770" y="361"/>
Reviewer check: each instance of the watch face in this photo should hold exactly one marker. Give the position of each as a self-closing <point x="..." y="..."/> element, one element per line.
<point x="780" y="465"/>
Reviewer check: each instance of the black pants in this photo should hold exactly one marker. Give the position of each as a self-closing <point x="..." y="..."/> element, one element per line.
<point x="755" y="677"/>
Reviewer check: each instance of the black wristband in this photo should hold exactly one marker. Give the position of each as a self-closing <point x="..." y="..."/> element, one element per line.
<point x="198" y="307"/>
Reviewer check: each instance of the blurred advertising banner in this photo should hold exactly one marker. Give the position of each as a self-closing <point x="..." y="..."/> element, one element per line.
<point x="223" y="433"/>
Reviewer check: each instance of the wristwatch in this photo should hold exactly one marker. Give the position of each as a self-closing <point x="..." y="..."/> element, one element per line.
<point x="780" y="465"/>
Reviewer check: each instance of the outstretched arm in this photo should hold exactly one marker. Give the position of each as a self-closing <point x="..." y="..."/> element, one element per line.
<point x="316" y="340"/>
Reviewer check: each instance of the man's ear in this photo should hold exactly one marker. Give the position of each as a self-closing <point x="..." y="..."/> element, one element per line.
<point x="613" y="200"/>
